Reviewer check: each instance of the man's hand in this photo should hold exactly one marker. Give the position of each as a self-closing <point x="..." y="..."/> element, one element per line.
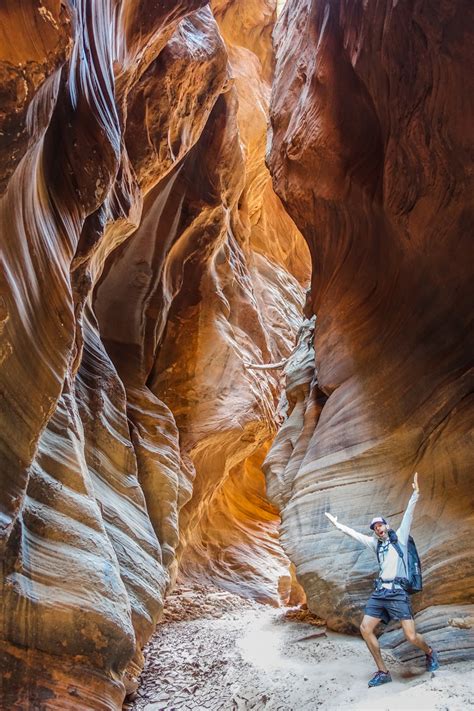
<point x="332" y="518"/>
<point x="415" y="483"/>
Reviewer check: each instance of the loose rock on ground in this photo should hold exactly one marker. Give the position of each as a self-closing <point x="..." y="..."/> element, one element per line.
<point x="216" y="651"/>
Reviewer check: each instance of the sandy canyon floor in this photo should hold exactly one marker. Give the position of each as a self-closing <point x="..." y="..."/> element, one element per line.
<point x="214" y="650"/>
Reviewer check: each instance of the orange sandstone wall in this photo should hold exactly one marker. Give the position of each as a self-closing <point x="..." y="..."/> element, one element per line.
<point x="145" y="262"/>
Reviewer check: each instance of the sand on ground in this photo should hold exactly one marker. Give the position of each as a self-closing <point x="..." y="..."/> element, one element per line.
<point x="214" y="650"/>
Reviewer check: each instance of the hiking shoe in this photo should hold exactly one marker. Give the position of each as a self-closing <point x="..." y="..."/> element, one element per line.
<point x="432" y="661"/>
<point x="380" y="678"/>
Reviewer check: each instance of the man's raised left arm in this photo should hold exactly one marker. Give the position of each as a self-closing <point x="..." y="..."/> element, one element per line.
<point x="404" y="530"/>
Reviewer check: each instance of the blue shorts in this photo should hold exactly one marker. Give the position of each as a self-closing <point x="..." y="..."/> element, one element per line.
<point x="389" y="605"/>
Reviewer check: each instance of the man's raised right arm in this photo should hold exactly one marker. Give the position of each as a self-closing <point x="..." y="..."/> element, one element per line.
<point x="368" y="541"/>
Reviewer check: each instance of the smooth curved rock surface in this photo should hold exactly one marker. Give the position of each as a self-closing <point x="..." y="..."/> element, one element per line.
<point x="371" y="117"/>
<point x="208" y="314"/>
<point x="145" y="262"/>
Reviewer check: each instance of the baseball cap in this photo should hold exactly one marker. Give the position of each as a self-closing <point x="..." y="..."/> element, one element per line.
<point x="377" y="519"/>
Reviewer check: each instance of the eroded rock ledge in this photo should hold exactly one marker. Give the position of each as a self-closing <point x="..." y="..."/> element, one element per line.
<point x="371" y="117"/>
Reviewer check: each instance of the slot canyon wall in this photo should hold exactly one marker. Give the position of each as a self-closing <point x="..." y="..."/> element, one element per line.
<point x="147" y="265"/>
<point x="149" y="262"/>
<point x="371" y="116"/>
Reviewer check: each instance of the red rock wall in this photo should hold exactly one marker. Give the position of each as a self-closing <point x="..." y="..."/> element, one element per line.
<point x="145" y="261"/>
<point x="371" y="117"/>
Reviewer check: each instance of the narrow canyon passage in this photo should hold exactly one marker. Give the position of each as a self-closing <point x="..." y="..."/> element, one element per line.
<point x="235" y="295"/>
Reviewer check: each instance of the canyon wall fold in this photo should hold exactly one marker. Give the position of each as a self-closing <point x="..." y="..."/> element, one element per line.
<point x="371" y="116"/>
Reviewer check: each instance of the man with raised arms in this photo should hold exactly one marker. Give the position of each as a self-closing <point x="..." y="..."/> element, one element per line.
<point x="389" y="599"/>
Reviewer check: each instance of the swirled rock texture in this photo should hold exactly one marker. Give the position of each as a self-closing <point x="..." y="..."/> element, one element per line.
<point x="371" y="117"/>
<point x="147" y="265"/>
<point x="208" y="269"/>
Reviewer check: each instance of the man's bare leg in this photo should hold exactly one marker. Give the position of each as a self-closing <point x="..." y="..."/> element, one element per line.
<point x="367" y="628"/>
<point x="413" y="636"/>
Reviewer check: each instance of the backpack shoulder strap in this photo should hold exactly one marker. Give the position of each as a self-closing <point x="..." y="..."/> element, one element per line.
<point x="396" y="545"/>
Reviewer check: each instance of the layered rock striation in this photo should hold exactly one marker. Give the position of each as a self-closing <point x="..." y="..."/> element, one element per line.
<point x="146" y="264"/>
<point x="371" y="117"/>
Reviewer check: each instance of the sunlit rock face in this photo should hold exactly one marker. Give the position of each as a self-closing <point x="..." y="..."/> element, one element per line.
<point x="371" y="133"/>
<point x="210" y="267"/>
<point x="146" y="266"/>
